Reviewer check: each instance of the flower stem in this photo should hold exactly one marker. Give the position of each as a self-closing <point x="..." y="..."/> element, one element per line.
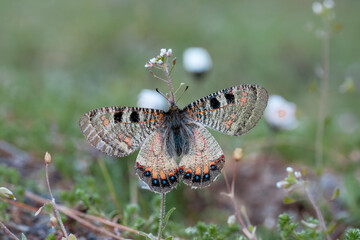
<point x="8" y="231"/>
<point x="317" y="210"/>
<point x="162" y="212"/>
<point x="323" y="95"/>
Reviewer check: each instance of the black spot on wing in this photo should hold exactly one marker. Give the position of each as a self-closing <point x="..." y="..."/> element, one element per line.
<point x="134" y="117"/>
<point x="214" y="103"/>
<point x="229" y="98"/>
<point x="118" y="117"/>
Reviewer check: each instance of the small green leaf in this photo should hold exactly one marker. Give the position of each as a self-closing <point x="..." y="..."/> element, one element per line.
<point x="336" y="194"/>
<point x="166" y="218"/>
<point x="23" y="237"/>
<point x="72" y="237"/>
<point x="288" y="200"/>
<point x="309" y="224"/>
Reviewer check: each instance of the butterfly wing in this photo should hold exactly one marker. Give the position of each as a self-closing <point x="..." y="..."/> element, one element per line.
<point x="232" y="111"/>
<point x="204" y="161"/>
<point x="155" y="166"/>
<point x="118" y="131"/>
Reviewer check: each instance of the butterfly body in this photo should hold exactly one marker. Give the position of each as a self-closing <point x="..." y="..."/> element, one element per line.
<point x="177" y="134"/>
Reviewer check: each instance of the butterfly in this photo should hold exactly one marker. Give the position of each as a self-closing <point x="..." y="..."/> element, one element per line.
<point x="165" y="136"/>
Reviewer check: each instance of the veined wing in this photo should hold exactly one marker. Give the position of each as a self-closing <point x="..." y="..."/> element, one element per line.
<point x="118" y="131"/>
<point x="232" y="111"/>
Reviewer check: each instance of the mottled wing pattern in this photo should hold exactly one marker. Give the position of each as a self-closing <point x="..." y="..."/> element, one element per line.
<point x="155" y="166"/>
<point x="232" y="111"/>
<point x="118" y="131"/>
<point x="204" y="161"/>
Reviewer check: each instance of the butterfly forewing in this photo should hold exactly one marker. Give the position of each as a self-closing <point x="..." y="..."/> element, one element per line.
<point x="155" y="166"/>
<point x="118" y="131"/>
<point x="204" y="161"/>
<point x="232" y="111"/>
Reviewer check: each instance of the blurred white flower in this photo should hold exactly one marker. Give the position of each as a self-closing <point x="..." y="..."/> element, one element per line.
<point x="329" y="4"/>
<point x="162" y="52"/>
<point x="153" y="60"/>
<point x="280" y="114"/>
<point x="6" y="193"/>
<point x="317" y="8"/>
<point x="231" y="220"/>
<point x="289" y="169"/>
<point x="152" y="99"/>
<point x="169" y="52"/>
<point x="197" y="60"/>
<point x="297" y="174"/>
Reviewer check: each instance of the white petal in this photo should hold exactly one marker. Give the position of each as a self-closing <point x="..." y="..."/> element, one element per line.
<point x="196" y="60"/>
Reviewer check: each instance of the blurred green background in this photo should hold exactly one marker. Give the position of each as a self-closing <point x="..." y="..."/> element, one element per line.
<point x="60" y="59"/>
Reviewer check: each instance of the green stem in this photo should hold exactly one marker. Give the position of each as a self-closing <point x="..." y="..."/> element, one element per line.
<point x="162" y="212"/>
<point x="110" y="185"/>
<point x="323" y="95"/>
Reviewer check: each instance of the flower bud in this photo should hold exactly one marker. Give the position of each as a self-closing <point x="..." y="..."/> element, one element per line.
<point x="238" y="154"/>
<point x="47" y="158"/>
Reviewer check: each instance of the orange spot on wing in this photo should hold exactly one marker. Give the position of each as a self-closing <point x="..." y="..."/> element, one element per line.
<point x="127" y="139"/>
<point x="198" y="171"/>
<point x="162" y="175"/>
<point x="102" y="118"/>
<point x="148" y="169"/>
<point x="188" y="171"/>
<point x="106" y="122"/>
<point x="154" y="175"/>
<point x="206" y="169"/>
<point x="243" y="99"/>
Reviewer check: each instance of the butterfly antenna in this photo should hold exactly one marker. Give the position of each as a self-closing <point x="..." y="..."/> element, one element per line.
<point x="167" y="99"/>
<point x="186" y="88"/>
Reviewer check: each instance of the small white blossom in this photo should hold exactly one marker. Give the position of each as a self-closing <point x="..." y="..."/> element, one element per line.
<point x="280" y="114"/>
<point x="162" y="52"/>
<point x="6" y="193"/>
<point x="281" y="184"/>
<point x="160" y="62"/>
<point x="289" y="169"/>
<point x="297" y="174"/>
<point x="317" y="8"/>
<point x="329" y="4"/>
<point x="169" y="52"/>
<point x="197" y="60"/>
<point x="148" y="65"/>
<point x="152" y="99"/>
<point x="153" y="60"/>
<point x="231" y="220"/>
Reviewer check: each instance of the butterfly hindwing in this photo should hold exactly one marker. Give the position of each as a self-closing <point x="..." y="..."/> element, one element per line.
<point x="204" y="161"/>
<point x="118" y="131"/>
<point x="232" y="111"/>
<point x="155" y="166"/>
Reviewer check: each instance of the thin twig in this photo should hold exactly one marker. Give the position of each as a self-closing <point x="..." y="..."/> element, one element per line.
<point x="53" y="203"/>
<point x="74" y="214"/>
<point x="317" y="210"/>
<point x="162" y="212"/>
<point x="231" y="195"/>
<point x="7" y="230"/>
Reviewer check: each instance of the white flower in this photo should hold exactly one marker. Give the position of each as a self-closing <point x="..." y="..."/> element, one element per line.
<point x="289" y="169"/>
<point x="6" y="193"/>
<point x="160" y="62"/>
<point x="148" y="65"/>
<point x="297" y="174"/>
<point x="196" y="60"/>
<point x="152" y="99"/>
<point x="329" y="4"/>
<point x="317" y="8"/>
<point x="169" y="52"/>
<point x="153" y="60"/>
<point x="231" y="220"/>
<point x="162" y="52"/>
<point x="281" y="184"/>
<point x="280" y="114"/>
